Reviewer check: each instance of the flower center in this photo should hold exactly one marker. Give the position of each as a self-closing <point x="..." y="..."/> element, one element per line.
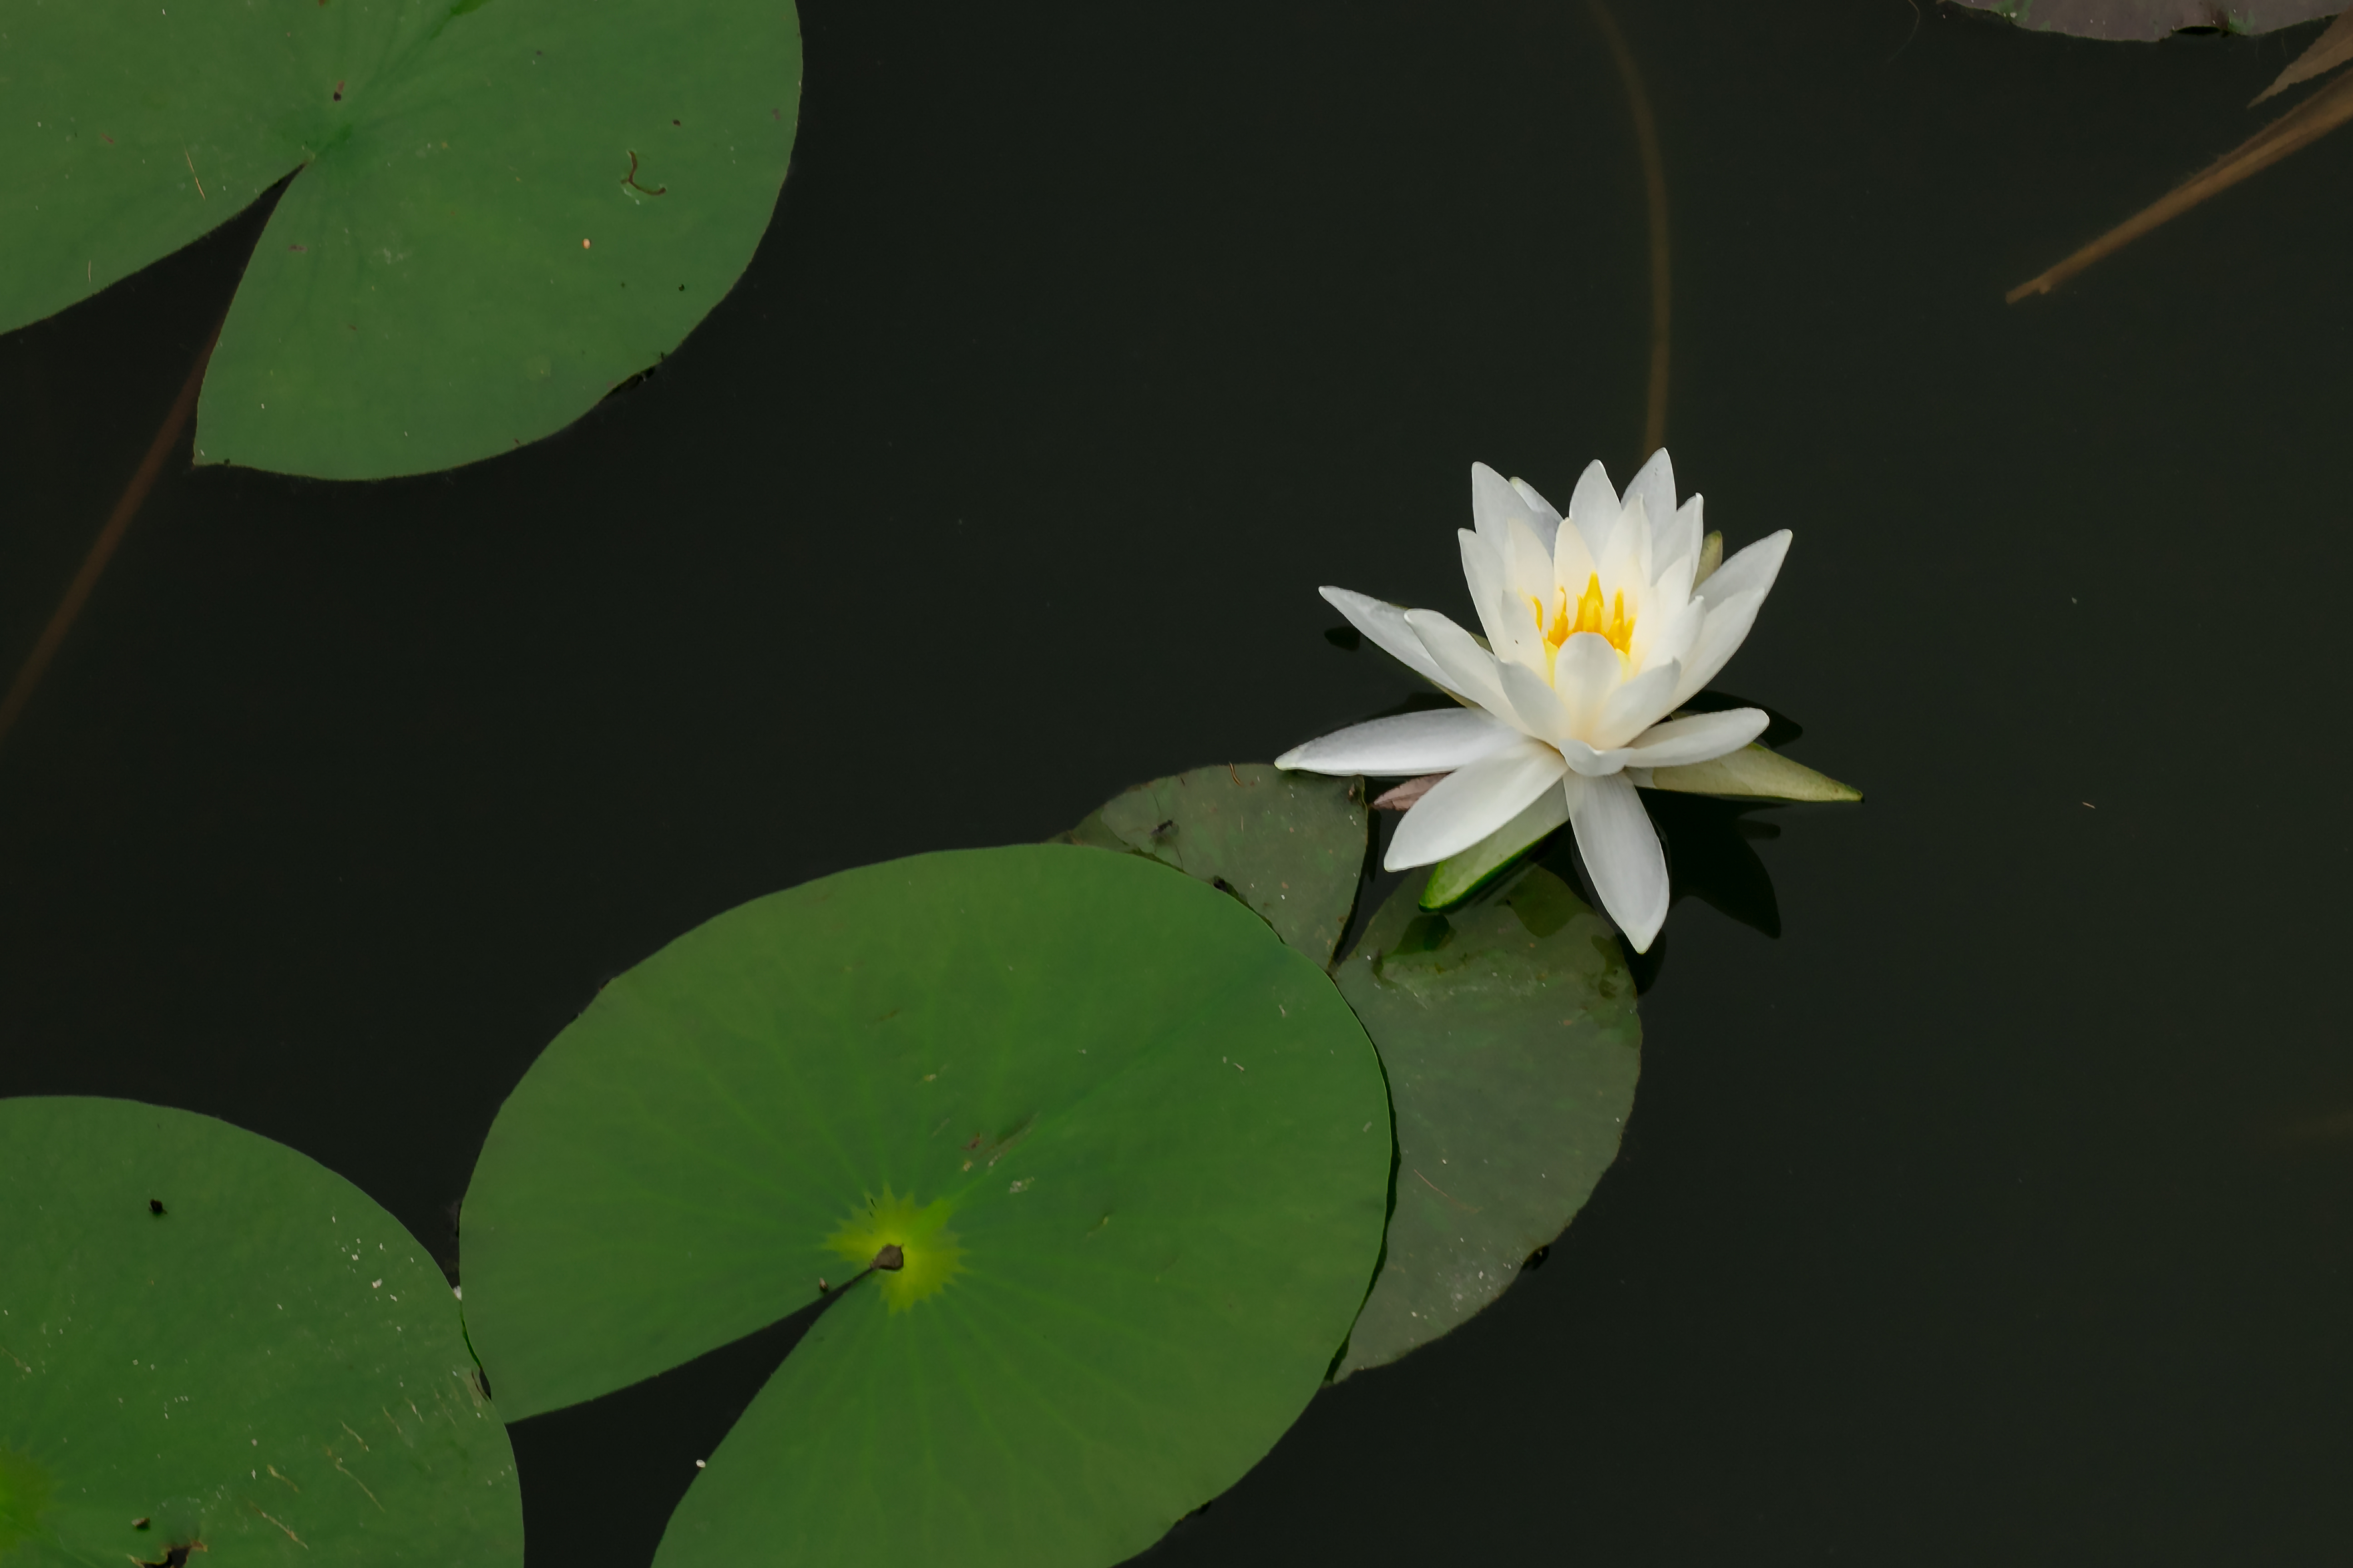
<point x="929" y="1253"/>
<point x="1590" y="613"/>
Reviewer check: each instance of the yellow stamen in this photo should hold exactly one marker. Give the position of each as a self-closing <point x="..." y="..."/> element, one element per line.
<point x="1605" y="619"/>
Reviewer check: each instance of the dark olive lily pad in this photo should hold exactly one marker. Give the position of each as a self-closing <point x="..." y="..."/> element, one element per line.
<point x="1508" y="1031"/>
<point x="2151" y="19"/>
<point x="207" y="1339"/>
<point x="1458" y="877"/>
<point x="1131" y="1149"/>
<point x="499" y="212"/>
<point x="1291" y="846"/>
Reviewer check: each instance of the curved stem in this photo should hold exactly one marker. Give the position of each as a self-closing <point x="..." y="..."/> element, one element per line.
<point x="142" y="480"/>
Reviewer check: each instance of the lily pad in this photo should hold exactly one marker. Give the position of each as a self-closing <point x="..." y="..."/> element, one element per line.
<point x="1131" y="1152"/>
<point x="499" y="212"/>
<point x="2148" y="20"/>
<point x="1291" y="846"/>
<point x="208" y="1340"/>
<point x="1507" y="1028"/>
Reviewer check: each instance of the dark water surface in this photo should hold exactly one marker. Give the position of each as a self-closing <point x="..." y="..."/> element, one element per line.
<point x="1998" y="1211"/>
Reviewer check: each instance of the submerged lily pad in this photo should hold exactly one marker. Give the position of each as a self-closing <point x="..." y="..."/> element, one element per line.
<point x="499" y="212"/>
<point x="2149" y="20"/>
<point x="210" y="1340"/>
<point x="1507" y="1028"/>
<point x="1289" y="844"/>
<point x="1130" y="1149"/>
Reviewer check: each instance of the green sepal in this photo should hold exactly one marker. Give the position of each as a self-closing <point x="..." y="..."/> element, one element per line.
<point x="1711" y="556"/>
<point x="1458" y="877"/>
<point x="1753" y="772"/>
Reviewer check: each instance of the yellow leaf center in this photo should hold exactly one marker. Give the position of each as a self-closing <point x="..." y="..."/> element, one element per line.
<point x="929" y="1253"/>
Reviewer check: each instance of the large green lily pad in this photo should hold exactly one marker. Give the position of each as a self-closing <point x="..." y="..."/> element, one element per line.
<point x="502" y="210"/>
<point x="1132" y="1148"/>
<point x="1508" y="1026"/>
<point x="270" y="1367"/>
<point x="1291" y="846"/>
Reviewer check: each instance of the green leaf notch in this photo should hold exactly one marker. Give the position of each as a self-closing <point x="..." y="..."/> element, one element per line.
<point x="270" y="1366"/>
<point x="1508" y="1031"/>
<point x="502" y="211"/>
<point x="1131" y="1150"/>
<point x="1289" y="844"/>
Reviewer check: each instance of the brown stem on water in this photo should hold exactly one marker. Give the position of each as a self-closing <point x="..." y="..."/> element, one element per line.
<point x="1654" y="191"/>
<point x="2323" y="55"/>
<point x="2307" y="122"/>
<point x="142" y="480"/>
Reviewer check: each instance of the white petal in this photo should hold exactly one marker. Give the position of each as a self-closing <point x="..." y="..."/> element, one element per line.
<point x="1622" y="855"/>
<point x="1572" y="562"/>
<point x="1384" y="624"/>
<point x="1506" y="631"/>
<point x="1593" y="506"/>
<point x="1677" y="537"/>
<point x="1529" y="574"/>
<point x="1457" y="874"/>
<point x="1472" y="802"/>
<point x="1720" y="637"/>
<point x="1754" y="568"/>
<point x="1468" y="667"/>
<point x="1405" y="745"/>
<point x="1543" y="515"/>
<point x="1586" y="671"/>
<point x="1654" y="485"/>
<point x="1666" y="630"/>
<point x="1701" y="738"/>
<point x="1496" y="503"/>
<point x="1670" y="586"/>
<point x="1540" y="712"/>
<point x="1636" y="705"/>
<point x="1583" y="759"/>
<point x="1622" y="558"/>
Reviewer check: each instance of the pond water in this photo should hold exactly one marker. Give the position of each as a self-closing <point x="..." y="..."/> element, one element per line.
<point x="1989" y="1189"/>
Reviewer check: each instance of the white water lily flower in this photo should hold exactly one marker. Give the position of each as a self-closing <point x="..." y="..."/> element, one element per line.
<point x="1595" y="633"/>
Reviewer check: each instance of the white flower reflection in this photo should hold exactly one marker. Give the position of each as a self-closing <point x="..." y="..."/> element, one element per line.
<point x="1595" y="633"/>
